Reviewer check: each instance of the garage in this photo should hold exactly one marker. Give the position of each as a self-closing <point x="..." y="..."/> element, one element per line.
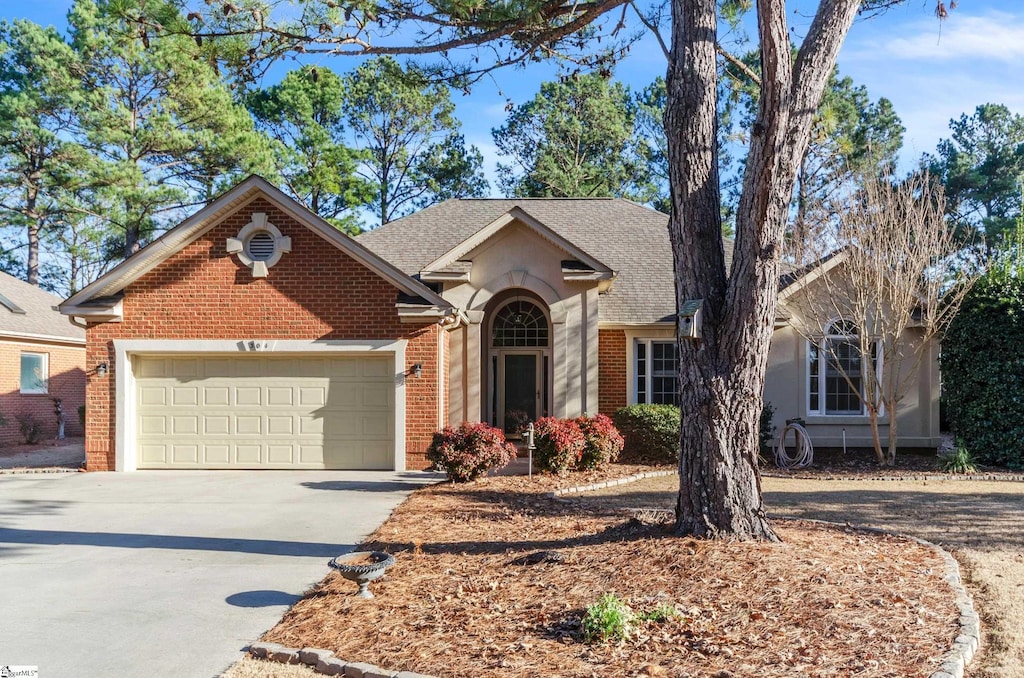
<point x="264" y="412"/>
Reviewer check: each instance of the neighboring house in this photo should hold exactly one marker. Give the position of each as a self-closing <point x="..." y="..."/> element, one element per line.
<point x="255" y="335"/>
<point x="43" y="358"/>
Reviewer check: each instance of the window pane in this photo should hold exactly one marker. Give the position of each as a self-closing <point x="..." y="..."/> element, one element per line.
<point x="520" y="324"/>
<point x="843" y="378"/>
<point x="641" y="372"/>
<point x="664" y="373"/>
<point x="33" y="373"/>
<point x="813" y="379"/>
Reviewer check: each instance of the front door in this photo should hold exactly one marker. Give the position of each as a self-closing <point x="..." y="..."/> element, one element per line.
<point x="519" y="392"/>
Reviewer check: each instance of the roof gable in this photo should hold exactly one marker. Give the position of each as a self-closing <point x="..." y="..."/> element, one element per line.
<point x="100" y="300"/>
<point x="29" y="312"/>
<point x="452" y="259"/>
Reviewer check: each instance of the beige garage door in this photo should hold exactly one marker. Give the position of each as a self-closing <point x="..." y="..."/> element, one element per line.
<point x="256" y="412"/>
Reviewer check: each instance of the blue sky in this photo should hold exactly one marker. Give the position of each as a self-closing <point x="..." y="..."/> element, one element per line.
<point x="931" y="71"/>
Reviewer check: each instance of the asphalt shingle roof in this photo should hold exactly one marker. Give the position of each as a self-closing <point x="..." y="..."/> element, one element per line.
<point x="629" y="238"/>
<point x="40" y="316"/>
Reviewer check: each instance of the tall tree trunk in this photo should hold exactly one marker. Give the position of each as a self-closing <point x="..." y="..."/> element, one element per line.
<point x="722" y="379"/>
<point x="32" y="234"/>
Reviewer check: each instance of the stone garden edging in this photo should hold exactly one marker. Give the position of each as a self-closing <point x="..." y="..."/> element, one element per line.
<point x="324" y="662"/>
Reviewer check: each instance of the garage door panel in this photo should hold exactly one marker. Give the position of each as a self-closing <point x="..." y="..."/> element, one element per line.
<point x="312" y="396"/>
<point x="217" y="425"/>
<point x="277" y="425"/>
<point x="184" y="454"/>
<point x="153" y="425"/>
<point x="248" y="425"/>
<point x="214" y="454"/>
<point x="152" y="454"/>
<point x="185" y="395"/>
<point x="377" y="397"/>
<point x="184" y="368"/>
<point x="216" y="396"/>
<point x="153" y="395"/>
<point x="278" y="395"/>
<point x="265" y="412"/>
<point x="248" y="396"/>
<point x="280" y="454"/>
<point x="344" y="368"/>
<point x="248" y="454"/>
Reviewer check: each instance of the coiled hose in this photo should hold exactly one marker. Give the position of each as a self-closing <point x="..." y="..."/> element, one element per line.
<point x="804" y="452"/>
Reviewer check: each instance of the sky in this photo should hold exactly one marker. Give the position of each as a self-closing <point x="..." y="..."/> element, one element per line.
<point x="932" y="71"/>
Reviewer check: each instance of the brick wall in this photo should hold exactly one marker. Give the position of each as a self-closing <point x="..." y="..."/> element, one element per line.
<point x="66" y="381"/>
<point x="313" y="292"/>
<point x="611" y="360"/>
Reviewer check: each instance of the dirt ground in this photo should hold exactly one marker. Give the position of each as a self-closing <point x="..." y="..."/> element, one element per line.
<point x="980" y="522"/>
<point x="477" y="591"/>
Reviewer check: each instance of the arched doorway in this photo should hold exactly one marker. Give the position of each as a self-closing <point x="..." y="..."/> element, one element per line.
<point x="520" y="357"/>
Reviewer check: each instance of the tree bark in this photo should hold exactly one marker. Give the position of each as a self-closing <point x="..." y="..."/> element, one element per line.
<point x="721" y="379"/>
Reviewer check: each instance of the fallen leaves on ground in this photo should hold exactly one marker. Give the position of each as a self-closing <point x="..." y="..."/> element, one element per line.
<point x="463" y="598"/>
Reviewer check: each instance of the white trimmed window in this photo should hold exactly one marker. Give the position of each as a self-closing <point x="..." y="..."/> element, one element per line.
<point x="656" y="366"/>
<point x="835" y="372"/>
<point x="35" y="373"/>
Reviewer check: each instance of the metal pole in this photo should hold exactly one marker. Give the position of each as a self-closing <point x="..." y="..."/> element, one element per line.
<point x="529" y="449"/>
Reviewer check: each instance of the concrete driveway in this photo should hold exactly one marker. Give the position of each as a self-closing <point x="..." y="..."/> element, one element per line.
<point x="169" y="573"/>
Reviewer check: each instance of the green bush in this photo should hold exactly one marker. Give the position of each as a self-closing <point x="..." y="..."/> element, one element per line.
<point x="959" y="460"/>
<point x="608" y="619"/>
<point x="651" y="433"/>
<point x="766" y="430"/>
<point x="982" y="363"/>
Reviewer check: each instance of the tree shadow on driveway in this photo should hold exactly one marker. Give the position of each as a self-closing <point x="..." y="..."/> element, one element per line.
<point x="126" y="540"/>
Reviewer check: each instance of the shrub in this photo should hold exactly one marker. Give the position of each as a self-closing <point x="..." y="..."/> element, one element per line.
<point x="466" y="452"/>
<point x="766" y="429"/>
<point x="608" y="619"/>
<point x="959" y="460"/>
<point x="982" y="360"/>
<point x="603" y="441"/>
<point x="651" y="433"/>
<point x="559" y="444"/>
<point x="30" y="429"/>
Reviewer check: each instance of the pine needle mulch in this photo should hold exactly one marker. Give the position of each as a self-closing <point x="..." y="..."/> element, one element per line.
<point x="464" y="598"/>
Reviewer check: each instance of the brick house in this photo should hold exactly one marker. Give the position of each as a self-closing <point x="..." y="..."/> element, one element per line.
<point x="255" y="335"/>
<point x="42" y="358"/>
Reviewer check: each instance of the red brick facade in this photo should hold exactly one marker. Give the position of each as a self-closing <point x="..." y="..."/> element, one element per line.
<point x="66" y="380"/>
<point x="313" y="292"/>
<point x="611" y="358"/>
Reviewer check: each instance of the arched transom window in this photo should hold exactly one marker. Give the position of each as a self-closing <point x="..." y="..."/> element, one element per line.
<point x="519" y="324"/>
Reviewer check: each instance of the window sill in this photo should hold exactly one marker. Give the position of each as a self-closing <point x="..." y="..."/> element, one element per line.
<point x="842" y="419"/>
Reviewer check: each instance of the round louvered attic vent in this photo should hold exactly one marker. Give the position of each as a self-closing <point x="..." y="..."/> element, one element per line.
<point x="259" y="245"/>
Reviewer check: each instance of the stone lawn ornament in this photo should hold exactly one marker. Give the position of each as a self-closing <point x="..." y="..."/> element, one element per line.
<point x="362" y="567"/>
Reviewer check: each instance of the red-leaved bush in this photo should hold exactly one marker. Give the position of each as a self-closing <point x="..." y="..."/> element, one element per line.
<point x="472" y="449"/>
<point x="559" y="444"/>
<point x="603" y="441"/>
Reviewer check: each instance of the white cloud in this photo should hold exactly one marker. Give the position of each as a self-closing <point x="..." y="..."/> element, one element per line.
<point x="996" y="36"/>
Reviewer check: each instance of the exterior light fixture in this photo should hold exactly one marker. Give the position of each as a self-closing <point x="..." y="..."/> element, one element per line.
<point x="101" y="370"/>
<point x="417" y="370"/>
